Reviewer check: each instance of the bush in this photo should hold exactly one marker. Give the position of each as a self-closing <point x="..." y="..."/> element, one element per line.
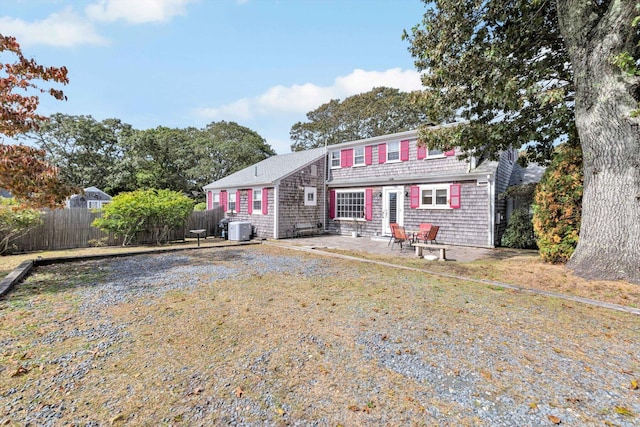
<point x="519" y="233"/>
<point x="199" y="207"/>
<point x="154" y="211"/>
<point x="15" y="221"/>
<point x="558" y="205"/>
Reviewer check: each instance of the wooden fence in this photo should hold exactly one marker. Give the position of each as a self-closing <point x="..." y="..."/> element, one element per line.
<point x="71" y="228"/>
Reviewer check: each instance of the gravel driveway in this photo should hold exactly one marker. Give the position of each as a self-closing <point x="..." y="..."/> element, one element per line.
<point x="266" y="336"/>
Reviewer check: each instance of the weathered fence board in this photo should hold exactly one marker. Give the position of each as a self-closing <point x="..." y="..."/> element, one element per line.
<point x="71" y="228"/>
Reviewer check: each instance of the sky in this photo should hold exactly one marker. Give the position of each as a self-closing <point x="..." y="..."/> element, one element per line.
<point x="263" y="64"/>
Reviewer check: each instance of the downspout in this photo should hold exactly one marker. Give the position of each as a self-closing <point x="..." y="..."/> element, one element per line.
<point x="324" y="186"/>
<point x="276" y="209"/>
<point x="492" y="211"/>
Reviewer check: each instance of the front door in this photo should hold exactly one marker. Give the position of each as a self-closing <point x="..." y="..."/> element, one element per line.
<point x="392" y="208"/>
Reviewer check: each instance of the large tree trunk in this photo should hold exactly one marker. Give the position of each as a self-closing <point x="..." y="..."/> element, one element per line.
<point x="609" y="245"/>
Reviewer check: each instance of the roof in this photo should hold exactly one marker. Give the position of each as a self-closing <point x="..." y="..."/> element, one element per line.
<point x="269" y="170"/>
<point x="531" y="174"/>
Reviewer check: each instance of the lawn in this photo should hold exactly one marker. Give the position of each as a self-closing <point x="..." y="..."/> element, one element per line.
<point x="259" y="335"/>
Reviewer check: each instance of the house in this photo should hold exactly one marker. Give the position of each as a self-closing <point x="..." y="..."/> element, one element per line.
<point x="92" y="198"/>
<point x="275" y="194"/>
<point x="363" y="186"/>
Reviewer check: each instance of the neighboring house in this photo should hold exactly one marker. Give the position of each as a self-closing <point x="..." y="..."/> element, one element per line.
<point x="532" y="174"/>
<point x="369" y="184"/>
<point x="93" y="198"/>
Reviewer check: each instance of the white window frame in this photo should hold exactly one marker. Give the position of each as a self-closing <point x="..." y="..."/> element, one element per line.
<point x="334" y="159"/>
<point x="434" y="189"/>
<point x="356" y="213"/>
<point x="310" y="196"/>
<point x="98" y="204"/>
<point x="257" y="194"/>
<point x="395" y="152"/>
<point x="357" y="156"/>
<point x="231" y="195"/>
<point x="216" y="198"/>
<point x="437" y="155"/>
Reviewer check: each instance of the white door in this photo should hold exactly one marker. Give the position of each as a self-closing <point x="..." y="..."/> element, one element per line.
<point x="392" y="208"/>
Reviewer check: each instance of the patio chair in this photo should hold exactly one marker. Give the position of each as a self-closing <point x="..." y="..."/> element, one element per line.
<point x="399" y="236"/>
<point x="393" y="226"/>
<point x="431" y="236"/>
<point x="423" y="233"/>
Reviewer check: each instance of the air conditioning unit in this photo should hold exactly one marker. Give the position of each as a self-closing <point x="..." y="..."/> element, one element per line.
<point x="239" y="231"/>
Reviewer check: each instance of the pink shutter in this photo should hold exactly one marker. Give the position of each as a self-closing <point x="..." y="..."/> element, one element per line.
<point x="332" y="204"/>
<point x="238" y="201"/>
<point x="415" y="196"/>
<point x="223" y="200"/>
<point x="422" y="153"/>
<point x="450" y="153"/>
<point x="368" y="204"/>
<point x="265" y="201"/>
<point x="404" y="150"/>
<point x="249" y="201"/>
<point x="454" y="196"/>
<point x="368" y="155"/>
<point x="382" y="153"/>
<point x="209" y="200"/>
<point x="346" y="158"/>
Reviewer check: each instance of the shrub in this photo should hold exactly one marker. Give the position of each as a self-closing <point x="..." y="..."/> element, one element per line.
<point x="519" y="233"/>
<point x="558" y="205"/>
<point x="199" y="207"/>
<point x="15" y="221"/>
<point x="154" y="211"/>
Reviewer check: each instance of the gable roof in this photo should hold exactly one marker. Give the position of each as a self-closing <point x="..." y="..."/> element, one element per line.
<point x="268" y="171"/>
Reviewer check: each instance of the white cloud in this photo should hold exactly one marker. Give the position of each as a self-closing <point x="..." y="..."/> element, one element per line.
<point x="308" y="97"/>
<point x="136" y="11"/>
<point x="64" y="28"/>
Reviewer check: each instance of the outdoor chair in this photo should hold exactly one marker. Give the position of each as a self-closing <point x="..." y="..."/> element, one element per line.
<point x="423" y="233"/>
<point x="393" y="227"/>
<point x="399" y="236"/>
<point x="431" y="236"/>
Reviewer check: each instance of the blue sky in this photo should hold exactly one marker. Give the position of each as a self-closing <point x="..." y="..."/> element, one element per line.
<point x="261" y="63"/>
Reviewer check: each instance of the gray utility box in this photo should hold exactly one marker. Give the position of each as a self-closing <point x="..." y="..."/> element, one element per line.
<point x="240" y="231"/>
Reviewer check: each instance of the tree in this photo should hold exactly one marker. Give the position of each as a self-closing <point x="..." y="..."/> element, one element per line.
<point x="86" y="152"/>
<point x="380" y="111"/>
<point x="534" y="73"/>
<point x="15" y="221"/>
<point x="223" y="148"/>
<point x="557" y="208"/>
<point x="23" y="170"/>
<point x="154" y="211"/>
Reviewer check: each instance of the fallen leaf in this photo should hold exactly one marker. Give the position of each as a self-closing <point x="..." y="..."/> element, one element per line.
<point x="533" y="405"/>
<point x="634" y="385"/>
<point x="486" y="374"/>
<point x="238" y="391"/>
<point x="117" y="418"/>
<point x="280" y="411"/>
<point x="554" y="419"/>
<point x="353" y="408"/>
<point x="20" y="371"/>
<point x="623" y="411"/>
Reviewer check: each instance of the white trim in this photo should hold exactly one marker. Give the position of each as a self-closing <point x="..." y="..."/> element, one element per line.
<point x="387" y="160"/>
<point x="339" y="159"/>
<point x="435" y="188"/>
<point x="276" y="213"/>
<point x="364" y="160"/>
<point x="310" y="190"/>
<point x="351" y="190"/>
<point x="255" y="211"/>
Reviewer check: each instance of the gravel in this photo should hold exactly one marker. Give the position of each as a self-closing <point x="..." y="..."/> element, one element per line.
<point x="491" y="374"/>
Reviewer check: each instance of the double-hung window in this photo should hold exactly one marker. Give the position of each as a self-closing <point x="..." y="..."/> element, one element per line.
<point x="257" y="200"/>
<point x="434" y="196"/>
<point x="393" y="151"/>
<point x="231" y="203"/>
<point x="350" y="204"/>
<point x="433" y="152"/>
<point x="358" y="156"/>
<point x="335" y="159"/>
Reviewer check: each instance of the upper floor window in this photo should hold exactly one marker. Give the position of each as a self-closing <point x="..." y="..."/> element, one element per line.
<point x="434" y="152"/>
<point x="393" y="151"/>
<point x="335" y="159"/>
<point x="358" y="156"/>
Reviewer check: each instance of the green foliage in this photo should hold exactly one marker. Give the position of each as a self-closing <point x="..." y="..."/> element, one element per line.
<point x="200" y="207"/>
<point x="15" y="221"/>
<point x="380" y="111"/>
<point x="629" y="63"/>
<point x="558" y="205"/>
<point x="500" y="68"/>
<point x="153" y="211"/>
<point x="519" y="233"/>
<point x="86" y="152"/>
